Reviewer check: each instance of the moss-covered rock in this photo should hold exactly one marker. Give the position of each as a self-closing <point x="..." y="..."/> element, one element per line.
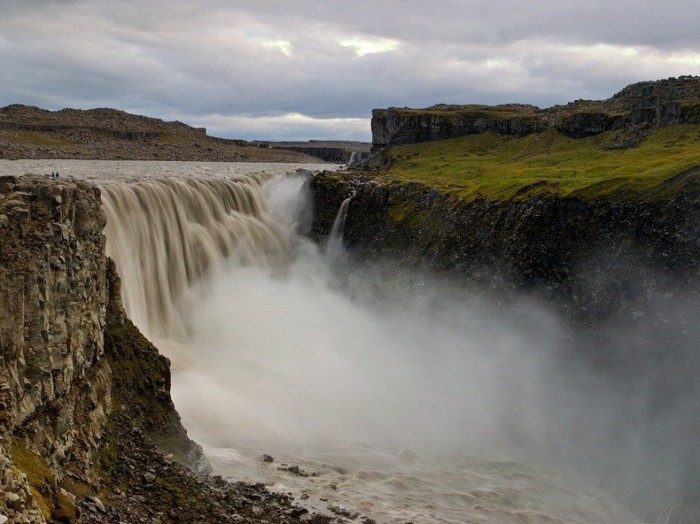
<point x="141" y="382"/>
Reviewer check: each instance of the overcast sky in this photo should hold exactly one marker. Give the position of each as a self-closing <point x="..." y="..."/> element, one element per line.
<point x="308" y="69"/>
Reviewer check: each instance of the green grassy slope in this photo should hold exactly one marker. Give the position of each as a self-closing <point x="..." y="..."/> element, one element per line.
<point x="496" y="167"/>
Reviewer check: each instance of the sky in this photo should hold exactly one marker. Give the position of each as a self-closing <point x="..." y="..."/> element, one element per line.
<point x="315" y="69"/>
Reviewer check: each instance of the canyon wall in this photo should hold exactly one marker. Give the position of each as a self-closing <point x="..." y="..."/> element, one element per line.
<point x="552" y="243"/>
<point x="55" y="381"/>
<point x="69" y="355"/>
<point x="622" y="280"/>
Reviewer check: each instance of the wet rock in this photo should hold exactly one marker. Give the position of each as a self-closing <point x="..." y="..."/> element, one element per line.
<point x="265" y="458"/>
<point x="343" y="512"/>
<point x="294" y="470"/>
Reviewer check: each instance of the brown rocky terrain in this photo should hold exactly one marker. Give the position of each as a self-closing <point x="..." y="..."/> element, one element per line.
<point x="109" y="134"/>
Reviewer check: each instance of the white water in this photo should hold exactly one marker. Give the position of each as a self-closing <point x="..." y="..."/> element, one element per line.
<point x="403" y="396"/>
<point x="334" y="246"/>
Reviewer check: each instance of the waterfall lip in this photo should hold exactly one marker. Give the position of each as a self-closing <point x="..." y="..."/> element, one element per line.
<point x="165" y="234"/>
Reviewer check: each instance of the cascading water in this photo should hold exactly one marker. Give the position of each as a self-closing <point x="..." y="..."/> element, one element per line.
<point x="180" y="230"/>
<point x="393" y="395"/>
<point x="334" y="246"/>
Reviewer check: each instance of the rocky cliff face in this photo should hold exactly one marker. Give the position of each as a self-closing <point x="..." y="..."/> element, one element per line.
<point x="562" y="246"/>
<point x="88" y="430"/>
<point x="62" y="332"/>
<point x="55" y="382"/>
<point x="623" y="278"/>
<point x="637" y="106"/>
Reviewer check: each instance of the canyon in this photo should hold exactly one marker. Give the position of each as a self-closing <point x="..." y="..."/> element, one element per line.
<point x="85" y="405"/>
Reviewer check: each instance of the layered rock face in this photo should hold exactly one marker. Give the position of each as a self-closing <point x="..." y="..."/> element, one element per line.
<point x="62" y="332"/>
<point x="550" y="241"/>
<point x="623" y="277"/>
<point x="54" y="380"/>
<point x="662" y="102"/>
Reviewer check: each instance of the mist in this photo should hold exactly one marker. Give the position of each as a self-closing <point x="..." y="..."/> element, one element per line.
<point x="325" y="351"/>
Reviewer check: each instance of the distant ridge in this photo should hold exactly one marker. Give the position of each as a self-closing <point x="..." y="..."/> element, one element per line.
<point x="111" y="134"/>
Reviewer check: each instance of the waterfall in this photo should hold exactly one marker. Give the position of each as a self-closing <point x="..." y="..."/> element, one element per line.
<point x="166" y="234"/>
<point x="357" y="157"/>
<point x="335" y="239"/>
<point x="412" y="399"/>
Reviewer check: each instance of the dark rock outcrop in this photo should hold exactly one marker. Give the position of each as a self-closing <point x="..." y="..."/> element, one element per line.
<point x="622" y="278"/>
<point x="335" y="151"/>
<point x="658" y="103"/>
<point x="545" y="242"/>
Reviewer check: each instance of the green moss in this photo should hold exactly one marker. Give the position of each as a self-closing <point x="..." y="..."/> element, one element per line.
<point x="40" y="477"/>
<point x="35" y="467"/>
<point x="65" y="510"/>
<point x="406" y="213"/>
<point x="496" y="167"/>
<point x="77" y="487"/>
<point x="141" y="382"/>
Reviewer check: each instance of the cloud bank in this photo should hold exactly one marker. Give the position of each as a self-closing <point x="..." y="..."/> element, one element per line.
<point x="301" y="70"/>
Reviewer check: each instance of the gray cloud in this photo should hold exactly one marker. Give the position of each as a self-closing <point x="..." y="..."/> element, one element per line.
<point x="218" y="61"/>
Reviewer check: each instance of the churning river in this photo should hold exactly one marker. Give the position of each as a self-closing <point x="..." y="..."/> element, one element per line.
<point x="398" y="397"/>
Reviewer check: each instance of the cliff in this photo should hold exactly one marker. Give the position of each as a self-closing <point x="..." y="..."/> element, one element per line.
<point x="531" y="193"/>
<point x="619" y="270"/>
<point x="336" y="151"/>
<point x="636" y="107"/>
<point x="55" y="380"/>
<point x="542" y="242"/>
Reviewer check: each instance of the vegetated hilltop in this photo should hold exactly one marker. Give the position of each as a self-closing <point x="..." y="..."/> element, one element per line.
<point x="626" y="147"/>
<point x="110" y="134"/>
